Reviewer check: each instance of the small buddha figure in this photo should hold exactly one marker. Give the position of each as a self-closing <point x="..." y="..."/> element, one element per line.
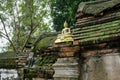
<point x="65" y="36"/>
<point x="66" y="30"/>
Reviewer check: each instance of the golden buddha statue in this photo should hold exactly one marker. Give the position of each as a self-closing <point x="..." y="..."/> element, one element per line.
<point x="65" y="36"/>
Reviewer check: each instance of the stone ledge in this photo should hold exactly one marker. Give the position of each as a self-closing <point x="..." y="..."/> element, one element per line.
<point x="68" y="76"/>
<point x="66" y="54"/>
<point x="65" y="78"/>
<point x="65" y="64"/>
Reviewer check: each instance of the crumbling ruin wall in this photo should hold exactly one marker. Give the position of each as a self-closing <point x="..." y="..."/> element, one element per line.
<point x="102" y="67"/>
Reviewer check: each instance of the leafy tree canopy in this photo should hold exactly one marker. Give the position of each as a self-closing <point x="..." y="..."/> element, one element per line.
<point x="62" y="10"/>
<point x="21" y="20"/>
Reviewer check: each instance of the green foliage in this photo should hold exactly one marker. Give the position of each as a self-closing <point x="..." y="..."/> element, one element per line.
<point x="62" y="10"/>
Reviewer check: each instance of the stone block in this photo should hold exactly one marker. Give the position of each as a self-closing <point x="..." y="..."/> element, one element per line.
<point x="66" y="69"/>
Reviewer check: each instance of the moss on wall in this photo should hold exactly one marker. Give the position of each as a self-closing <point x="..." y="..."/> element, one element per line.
<point x="45" y="43"/>
<point x="45" y="63"/>
<point x="31" y="74"/>
<point x="8" y="63"/>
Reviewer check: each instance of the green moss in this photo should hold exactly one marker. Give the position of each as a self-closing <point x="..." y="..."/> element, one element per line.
<point x="47" y="59"/>
<point x="95" y="38"/>
<point x="43" y="68"/>
<point x="8" y="55"/>
<point x="8" y="63"/>
<point x="113" y="23"/>
<point x="98" y="27"/>
<point x="98" y="32"/>
<point x="45" y="42"/>
<point x="31" y="74"/>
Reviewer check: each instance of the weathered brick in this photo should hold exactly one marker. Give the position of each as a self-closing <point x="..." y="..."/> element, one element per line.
<point x="70" y="49"/>
<point x="66" y="54"/>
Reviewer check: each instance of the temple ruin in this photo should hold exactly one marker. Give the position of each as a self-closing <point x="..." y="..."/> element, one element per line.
<point x="93" y="54"/>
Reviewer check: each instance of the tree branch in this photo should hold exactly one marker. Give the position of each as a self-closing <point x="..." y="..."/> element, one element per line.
<point x="33" y="26"/>
<point x="8" y="38"/>
<point x="17" y="26"/>
<point x="3" y="35"/>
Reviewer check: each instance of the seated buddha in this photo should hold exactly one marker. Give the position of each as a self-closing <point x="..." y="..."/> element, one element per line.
<point x="65" y="35"/>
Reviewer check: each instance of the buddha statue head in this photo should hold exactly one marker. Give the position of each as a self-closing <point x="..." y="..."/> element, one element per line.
<point x="65" y="24"/>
